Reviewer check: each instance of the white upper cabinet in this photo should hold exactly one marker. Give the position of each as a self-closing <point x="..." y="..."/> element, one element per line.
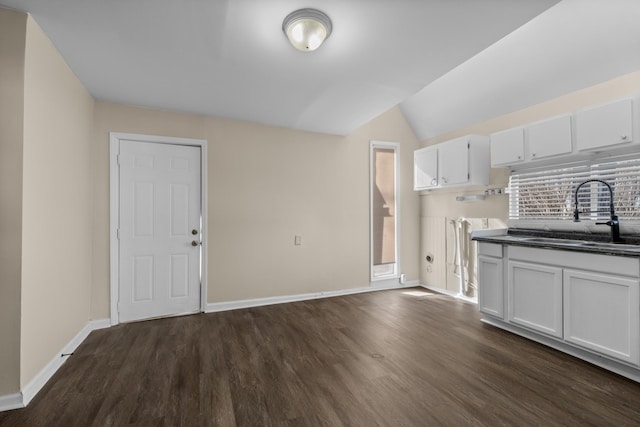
<point x="458" y="162"/>
<point x="425" y="168"/>
<point x="549" y="138"/>
<point x="605" y="126"/>
<point x="586" y="134"/>
<point x="453" y="162"/>
<point x="521" y="146"/>
<point x="507" y="147"/>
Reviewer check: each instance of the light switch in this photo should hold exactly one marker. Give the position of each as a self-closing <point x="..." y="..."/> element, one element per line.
<point x="297" y="240"/>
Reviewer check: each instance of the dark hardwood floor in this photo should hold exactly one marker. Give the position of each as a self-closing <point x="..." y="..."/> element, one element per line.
<point x="383" y="358"/>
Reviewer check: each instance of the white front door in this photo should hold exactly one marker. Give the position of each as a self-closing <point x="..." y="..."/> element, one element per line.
<point x="159" y="232"/>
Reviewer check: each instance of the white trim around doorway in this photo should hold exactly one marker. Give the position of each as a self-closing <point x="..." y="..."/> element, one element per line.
<point x="114" y="208"/>
<point x="373" y="144"/>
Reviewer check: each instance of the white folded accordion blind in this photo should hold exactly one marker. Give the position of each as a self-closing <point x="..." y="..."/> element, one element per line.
<point x="550" y="194"/>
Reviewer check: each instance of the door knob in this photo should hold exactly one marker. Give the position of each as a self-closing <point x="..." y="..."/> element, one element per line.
<point x="194" y="231"/>
<point x="194" y="243"/>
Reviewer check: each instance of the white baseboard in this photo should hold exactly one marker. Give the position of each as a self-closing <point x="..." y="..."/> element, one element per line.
<point x="36" y="384"/>
<point x="259" y="302"/>
<point x="11" y="401"/>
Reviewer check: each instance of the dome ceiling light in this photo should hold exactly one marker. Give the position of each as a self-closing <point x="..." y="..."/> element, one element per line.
<point x="306" y="29"/>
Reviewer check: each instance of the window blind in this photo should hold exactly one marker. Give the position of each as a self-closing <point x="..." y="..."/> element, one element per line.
<point x="550" y="194"/>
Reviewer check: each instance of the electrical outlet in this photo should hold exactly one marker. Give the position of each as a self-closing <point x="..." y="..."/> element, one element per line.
<point x="297" y="240"/>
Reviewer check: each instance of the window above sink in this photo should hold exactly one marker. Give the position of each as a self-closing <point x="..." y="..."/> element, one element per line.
<point x="545" y="199"/>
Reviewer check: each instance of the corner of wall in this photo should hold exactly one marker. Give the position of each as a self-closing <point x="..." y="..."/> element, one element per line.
<point x="12" y="52"/>
<point x="56" y="204"/>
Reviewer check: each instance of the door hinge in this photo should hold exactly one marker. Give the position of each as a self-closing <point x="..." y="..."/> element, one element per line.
<point x="118" y="159"/>
<point x="118" y="233"/>
<point x="468" y="177"/>
<point x="468" y="145"/>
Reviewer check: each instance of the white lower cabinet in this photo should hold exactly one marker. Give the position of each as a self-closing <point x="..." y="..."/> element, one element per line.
<point x="535" y="297"/>
<point x="587" y="303"/>
<point x="491" y="297"/>
<point x="601" y="313"/>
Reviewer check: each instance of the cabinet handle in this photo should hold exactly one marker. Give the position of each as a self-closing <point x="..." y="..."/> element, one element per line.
<point x="444" y="180"/>
<point x="533" y="154"/>
<point x="624" y="137"/>
<point x="434" y="181"/>
<point x="519" y="157"/>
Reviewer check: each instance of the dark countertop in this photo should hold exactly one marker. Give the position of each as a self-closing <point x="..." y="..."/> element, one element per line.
<point x="572" y="241"/>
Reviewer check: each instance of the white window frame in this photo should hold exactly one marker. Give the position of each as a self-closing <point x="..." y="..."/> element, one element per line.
<point x="396" y="147"/>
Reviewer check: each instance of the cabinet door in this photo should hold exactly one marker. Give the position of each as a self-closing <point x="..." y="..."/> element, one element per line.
<point x="604" y="126"/>
<point x="425" y="168"/>
<point x="601" y="313"/>
<point x="535" y="297"/>
<point x="453" y="162"/>
<point x="507" y="147"/>
<point x="490" y="286"/>
<point x="549" y="138"/>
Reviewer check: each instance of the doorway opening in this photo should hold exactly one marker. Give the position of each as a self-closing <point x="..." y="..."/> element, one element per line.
<point x="157" y="226"/>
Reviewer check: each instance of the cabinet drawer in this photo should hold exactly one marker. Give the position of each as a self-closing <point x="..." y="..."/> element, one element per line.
<point x="625" y="266"/>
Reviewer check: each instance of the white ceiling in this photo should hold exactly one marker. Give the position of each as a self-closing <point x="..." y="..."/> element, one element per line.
<point x="573" y="45"/>
<point x="448" y="64"/>
<point x="229" y="58"/>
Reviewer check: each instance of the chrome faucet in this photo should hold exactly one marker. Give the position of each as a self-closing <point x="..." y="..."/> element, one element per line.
<point x="614" y="223"/>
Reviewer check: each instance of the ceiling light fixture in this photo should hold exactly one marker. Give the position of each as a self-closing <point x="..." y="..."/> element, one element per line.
<point x="306" y="29"/>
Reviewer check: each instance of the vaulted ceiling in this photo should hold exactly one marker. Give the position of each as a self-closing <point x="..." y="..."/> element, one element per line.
<point x="447" y="63"/>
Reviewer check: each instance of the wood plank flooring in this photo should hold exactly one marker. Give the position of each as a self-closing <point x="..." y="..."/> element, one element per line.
<point x="377" y="359"/>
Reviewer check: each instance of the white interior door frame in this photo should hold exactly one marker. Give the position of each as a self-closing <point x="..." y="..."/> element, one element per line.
<point x="396" y="147"/>
<point x="114" y="209"/>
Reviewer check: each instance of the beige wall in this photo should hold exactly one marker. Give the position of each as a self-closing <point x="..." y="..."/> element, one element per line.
<point x="265" y="185"/>
<point x="12" y="43"/>
<point x="57" y="205"/>
<point x="118" y="118"/>
<point x="440" y="204"/>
